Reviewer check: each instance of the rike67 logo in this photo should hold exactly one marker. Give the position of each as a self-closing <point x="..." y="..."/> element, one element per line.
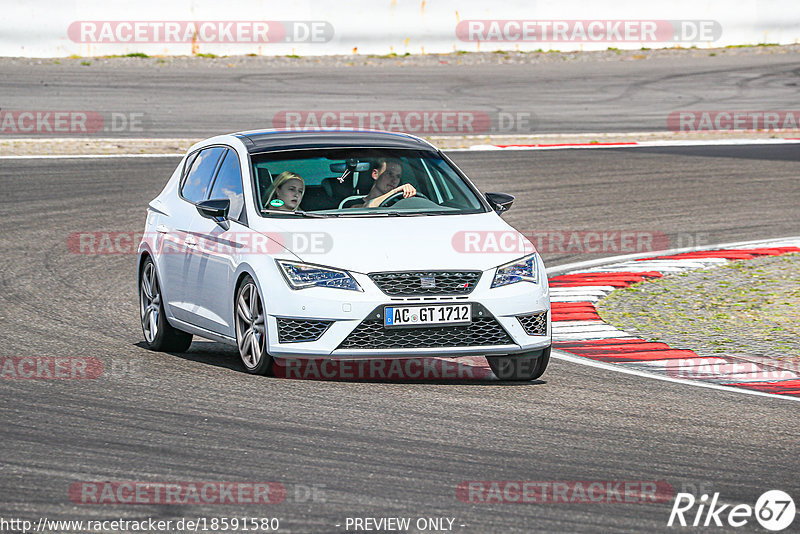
<point x="774" y="510"/>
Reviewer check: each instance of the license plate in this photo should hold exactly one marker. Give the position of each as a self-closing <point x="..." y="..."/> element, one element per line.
<point x="447" y="314"/>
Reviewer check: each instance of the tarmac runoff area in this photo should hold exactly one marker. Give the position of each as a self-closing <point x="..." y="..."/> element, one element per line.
<point x="641" y="82"/>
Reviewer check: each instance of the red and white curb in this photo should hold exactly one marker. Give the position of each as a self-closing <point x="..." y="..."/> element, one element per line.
<point x="579" y="330"/>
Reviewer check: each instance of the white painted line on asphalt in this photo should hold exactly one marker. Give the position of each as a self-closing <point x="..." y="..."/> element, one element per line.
<point x="474" y="148"/>
<point x="628" y="144"/>
<point x="93" y="156"/>
<point x="789" y="241"/>
<point x="588" y="290"/>
<point x="658" y="265"/>
<point x="716" y="369"/>
<point x="578" y="323"/>
<point x="592" y="327"/>
<point x="662" y="270"/>
<point x="574" y="298"/>
<point x="572" y="295"/>
<point x="588" y="336"/>
<point x="624" y="370"/>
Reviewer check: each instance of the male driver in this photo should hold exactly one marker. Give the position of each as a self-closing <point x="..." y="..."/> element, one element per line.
<point x="386" y="175"/>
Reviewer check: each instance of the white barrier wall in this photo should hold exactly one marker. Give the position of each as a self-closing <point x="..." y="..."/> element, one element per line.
<point x="59" y="28"/>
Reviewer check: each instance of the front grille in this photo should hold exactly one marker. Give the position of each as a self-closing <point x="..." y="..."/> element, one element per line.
<point x="299" y="330"/>
<point x="535" y="324"/>
<point x="371" y="334"/>
<point x="426" y="282"/>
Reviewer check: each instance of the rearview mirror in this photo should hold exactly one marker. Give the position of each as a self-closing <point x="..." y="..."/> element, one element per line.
<point x="352" y="164"/>
<point x="500" y="202"/>
<point x="214" y="208"/>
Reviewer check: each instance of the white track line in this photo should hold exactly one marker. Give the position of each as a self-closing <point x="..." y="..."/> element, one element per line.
<point x="568" y="332"/>
<point x="93" y="156"/>
<point x="478" y="148"/>
<point x="792" y="241"/>
<point x="619" y="369"/>
<point x="633" y="144"/>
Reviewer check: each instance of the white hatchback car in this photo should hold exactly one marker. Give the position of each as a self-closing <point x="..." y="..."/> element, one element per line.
<point x="339" y="244"/>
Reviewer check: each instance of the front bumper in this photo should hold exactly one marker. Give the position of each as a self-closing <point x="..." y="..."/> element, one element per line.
<point x="342" y="313"/>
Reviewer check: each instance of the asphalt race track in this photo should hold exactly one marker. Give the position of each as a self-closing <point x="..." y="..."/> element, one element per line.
<point x="375" y="448"/>
<point x="565" y="96"/>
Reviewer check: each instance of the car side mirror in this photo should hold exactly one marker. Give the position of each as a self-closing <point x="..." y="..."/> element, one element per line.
<point x="214" y="208"/>
<point x="500" y="202"/>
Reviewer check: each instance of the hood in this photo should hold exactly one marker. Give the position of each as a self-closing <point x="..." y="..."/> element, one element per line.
<point x="370" y="244"/>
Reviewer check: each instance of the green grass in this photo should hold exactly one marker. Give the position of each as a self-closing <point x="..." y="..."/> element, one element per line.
<point x="752" y="46"/>
<point x="132" y="54"/>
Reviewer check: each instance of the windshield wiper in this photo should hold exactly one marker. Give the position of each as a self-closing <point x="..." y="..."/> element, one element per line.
<point x="393" y="213"/>
<point x="412" y="213"/>
<point x="300" y="213"/>
<point x="315" y="215"/>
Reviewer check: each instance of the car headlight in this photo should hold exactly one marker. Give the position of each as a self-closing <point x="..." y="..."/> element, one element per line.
<point x="304" y="275"/>
<point x="523" y="270"/>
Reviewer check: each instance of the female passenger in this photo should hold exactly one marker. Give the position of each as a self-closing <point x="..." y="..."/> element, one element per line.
<point x="285" y="193"/>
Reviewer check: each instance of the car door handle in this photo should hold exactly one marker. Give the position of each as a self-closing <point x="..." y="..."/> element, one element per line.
<point x="190" y="241"/>
<point x="161" y="229"/>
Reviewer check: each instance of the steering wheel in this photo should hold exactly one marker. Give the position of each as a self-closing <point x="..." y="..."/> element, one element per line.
<point x="391" y="200"/>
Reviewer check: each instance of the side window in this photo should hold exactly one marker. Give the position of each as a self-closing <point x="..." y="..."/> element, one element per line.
<point x="195" y="185"/>
<point x="229" y="184"/>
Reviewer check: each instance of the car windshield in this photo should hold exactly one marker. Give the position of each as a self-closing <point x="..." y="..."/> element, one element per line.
<point x="357" y="182"/>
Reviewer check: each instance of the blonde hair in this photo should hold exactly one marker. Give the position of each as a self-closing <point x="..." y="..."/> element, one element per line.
<point x="279" y="181"/>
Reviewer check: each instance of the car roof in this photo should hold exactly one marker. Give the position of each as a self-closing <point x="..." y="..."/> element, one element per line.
<point x="271" y="140"/>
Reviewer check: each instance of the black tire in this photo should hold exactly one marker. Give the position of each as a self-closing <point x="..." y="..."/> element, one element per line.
<point x="158" y="333"/>
<point x="250" y="320"/>
<point x="522" y="367"/>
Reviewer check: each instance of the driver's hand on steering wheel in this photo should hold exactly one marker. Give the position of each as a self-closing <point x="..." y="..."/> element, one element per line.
<point x="407" y="189"/>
